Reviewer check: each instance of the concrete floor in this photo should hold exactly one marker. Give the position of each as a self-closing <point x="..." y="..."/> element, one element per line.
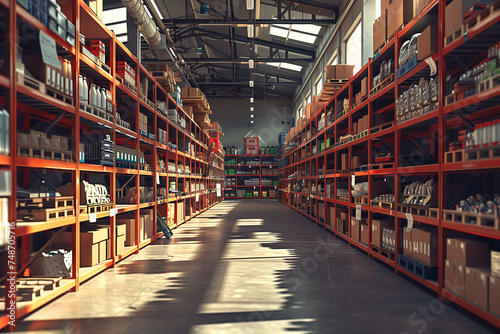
<point x="251" y="266"/>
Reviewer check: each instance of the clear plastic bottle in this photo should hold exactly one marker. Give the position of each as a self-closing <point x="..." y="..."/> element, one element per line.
<point x="81" y="88"/>
<point x="85" y="90"/>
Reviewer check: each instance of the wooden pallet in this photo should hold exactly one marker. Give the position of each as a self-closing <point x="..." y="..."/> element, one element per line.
<point x="381" y="127"/>
<point x="383" y="252"/>
<point x="97" y="112"/>
<point x="123" y="124"/>
<point x="29" y="293"/>
<point x="383" y="205"/>
<point x="45" y="214"/>
<point x="434" y="213"/>
<point x="481" y="16"/>
<point x="336" y="81"/>
<point x="343" y="199"/>
<point x="361" y="200"/>
<point x="449" y="99"/>
<point x="454" y="35"/>
<point x="361" y="168"/>
<point x="45" y="202"/>
<point x="387" y="81"/>
<point x="105" y="67"/>
<point x="46" y="283"/>
<point x="39" y="153"/>
<point x="481" y="220"/>
<point x="404" y="208"/>
<point x="59" y="96"/>
<point x="30" y="82"/>
<point x="418" y="210"/>
<point x="454" y="156"/>
<point x="385" y="165"/>
<point x="483" y="153"/>
<point x="489" y="83"/>
<point x="99" y="208"/>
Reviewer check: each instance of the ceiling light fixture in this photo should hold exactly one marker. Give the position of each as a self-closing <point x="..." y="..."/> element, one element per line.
<point x="251" y="100"/>
<point x="251" y="108"/>
<point x="250" y="4"/>
<point x="251" y="122"/>
<point x="250" y="63"/>
<point x="250" y="29"/>
<point x="250" y="83"/>
<point x="204" y="9"/>
<point x="199" y="50"/>
<point x="251" y="116"/>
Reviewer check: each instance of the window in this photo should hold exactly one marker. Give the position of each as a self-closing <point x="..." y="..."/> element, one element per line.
<point x="308" y="99"/>
<point x="306" y="33"/>
<point x="287" y="66"/>
<point x="353" y="48"/>
<point x="378" y="8"/>
<point x="301" y="111"/>
<point x="333" y="60"/>
<point x="115" y="19"/>
<point x="318" y="85"/>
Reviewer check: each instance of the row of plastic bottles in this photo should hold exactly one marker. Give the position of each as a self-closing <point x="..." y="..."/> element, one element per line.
<point x="95" y="96"/>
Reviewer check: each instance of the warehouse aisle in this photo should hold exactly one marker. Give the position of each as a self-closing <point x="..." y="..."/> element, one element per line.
<point x="252" y="266"/>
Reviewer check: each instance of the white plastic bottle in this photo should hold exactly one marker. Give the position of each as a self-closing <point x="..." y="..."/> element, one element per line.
<point x="81" y="88"/>
<point x="103" y="99"/>
<point x="93" y="96"/>
<point x="85" y="90"/>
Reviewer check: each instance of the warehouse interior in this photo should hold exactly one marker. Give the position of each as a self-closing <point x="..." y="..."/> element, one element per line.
<point x="249" y="166"/>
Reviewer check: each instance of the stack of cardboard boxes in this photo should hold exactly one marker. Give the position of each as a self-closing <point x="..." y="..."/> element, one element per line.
<point x="469" y="275"/>
<point x="124" y="70"/>
<point x="360" y="125"/>
<point x="421" y="244"/>
<point x="378" y="226"/>
<point x="41" y="141"/>
<point x="393" y="15"/>
<point x="338" y="72"/>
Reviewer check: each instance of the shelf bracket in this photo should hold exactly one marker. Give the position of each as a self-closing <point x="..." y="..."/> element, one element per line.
<point x="423" y="149"/>
<point x="54" y="122"/>
<point x="466" y="121"/>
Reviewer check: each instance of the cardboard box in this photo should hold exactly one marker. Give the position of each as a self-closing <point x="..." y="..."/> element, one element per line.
<point x="377" y="229"/>
<point x="129" y="221"/>
<point x="425" y="246"/>
<point x="344" y="71"/>
<point x="180" y="212"/>
<point x="103" y="251"/>
<point x="494" y="292"/>
<point x="364" y="87"/>
<point x="476" y="286"/>
<point x="427" y="42"/>
<point x="120" y="244"/>
<point x="454" y="17"/>
<point x="59" y="143"/>
<point x="382" y="28"/>
<point x="454" y="278"/>
<point x="355" y="229"/>
<point x="331" y="222"/>
<point x="407" y="243"/>
<point x="468" y="253"/>
<point x="364" y="234"/>
<point x="400" y="12"/>
<point x="330" y="72"/>
<point x="35" y="138"/>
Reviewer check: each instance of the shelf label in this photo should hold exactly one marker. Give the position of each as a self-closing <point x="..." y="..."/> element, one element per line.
<point x="197" y="197"/>
<point x="157" y="178"/>
<point x="92" y="217"/>
<point x="432" y="65"/>
<point x="49" y="51"/>
<point x="358" y="211"/>
<point x="409" y="217"/>
<point x="218" y="193"/>
<point x="353" y="180"/>
<point x="112" y="212"/>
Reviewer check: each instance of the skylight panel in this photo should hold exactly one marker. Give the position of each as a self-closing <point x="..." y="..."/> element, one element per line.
<point x="114" y="15"/>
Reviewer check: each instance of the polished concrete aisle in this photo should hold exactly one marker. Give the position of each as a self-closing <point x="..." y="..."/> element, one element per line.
<point x="252" y="266"/>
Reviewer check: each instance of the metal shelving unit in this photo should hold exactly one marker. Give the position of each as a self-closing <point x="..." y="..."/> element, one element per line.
<point x="26" y="104"/>
<point x="305" y="169"/>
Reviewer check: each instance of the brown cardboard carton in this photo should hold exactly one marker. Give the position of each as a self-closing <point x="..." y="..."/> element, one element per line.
<point x="426" y="245"/>
<point x="364" y="87"/>
<point x="364" y="234"/>
<point x="377" y="230"/>
<point x="344" y="71"/>
<point x="330" y="72"/>
<point x="454" y="278"/>
<point x="121" y="229"/>
<point x="407" y="243"/>
<point x="493" y="300"/>
<point x="129" y="221"/>
<point x="468" y="253"/>
<point x="332" y="215"/>
<point x="102" y="251"/>
<point x="427" y="43"/>
<point x="355" y="229"/>
<point x="453" y="17"/>
<point x="120" y="244"/>
<point x="476" y="286"/>
<point x="384" y="4"/>
<point x="400" y="12"/>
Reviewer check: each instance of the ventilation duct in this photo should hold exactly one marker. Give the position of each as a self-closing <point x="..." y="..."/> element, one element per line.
<point x="146" y="25"/>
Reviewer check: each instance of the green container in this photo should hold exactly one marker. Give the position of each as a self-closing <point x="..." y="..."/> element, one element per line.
<point x="328" y="142"/>
<point x="275" y="183"/>
<point x="248" y="194"/>
<point x="273" y="151"/>
<point x="322" y="146"/>
<point x="268" y="150"/>
<point x="232" y="171"/>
